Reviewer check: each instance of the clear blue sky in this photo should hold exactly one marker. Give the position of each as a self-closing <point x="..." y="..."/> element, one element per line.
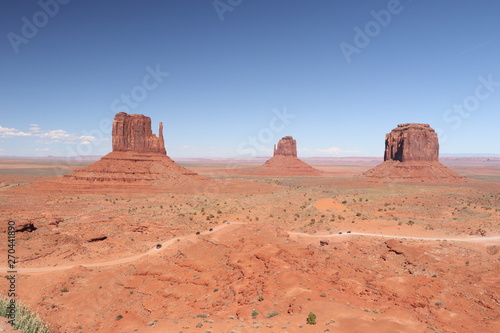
<point x="347" y="71"/>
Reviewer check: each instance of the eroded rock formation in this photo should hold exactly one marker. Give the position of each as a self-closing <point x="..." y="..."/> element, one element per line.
<point x="132" y="132"/>
<point x="138" y="158"/>
<point x="285" y="161"/>
<point x="287" y="146"/>
<point x="412" y="142"/>
<point x="412" y="154"/>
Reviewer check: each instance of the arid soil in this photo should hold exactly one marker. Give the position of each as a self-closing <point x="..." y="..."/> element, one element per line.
<point x="88" y="260"/>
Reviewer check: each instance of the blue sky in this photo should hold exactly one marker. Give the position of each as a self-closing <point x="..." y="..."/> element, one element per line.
<point x="229" y="78"/>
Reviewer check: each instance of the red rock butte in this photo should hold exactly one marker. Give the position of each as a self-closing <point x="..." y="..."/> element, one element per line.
<point x="285" y="161"/>
<point x="138" y="158"/>
<point x="412" y="154"/>
<point x="132" y="132"/>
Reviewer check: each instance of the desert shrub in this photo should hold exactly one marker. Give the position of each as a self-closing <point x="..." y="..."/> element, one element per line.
<point x="272" y="314"/>
<point x="255" y="313"/>
<point x="26" y="320"/>
<point x="311" y="319"/>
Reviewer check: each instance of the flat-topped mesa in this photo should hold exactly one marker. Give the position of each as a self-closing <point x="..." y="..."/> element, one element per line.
<point x="411" y="154"/>
<point x="132" y="132"/>
<point x="287" y="146"/>
<point x="412" y="142"/>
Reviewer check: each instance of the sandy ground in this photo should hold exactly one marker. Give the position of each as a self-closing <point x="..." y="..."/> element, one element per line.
<point x="417" y="258"/>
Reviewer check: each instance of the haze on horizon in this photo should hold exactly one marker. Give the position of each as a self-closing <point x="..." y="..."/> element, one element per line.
<point x="230" y="78"/>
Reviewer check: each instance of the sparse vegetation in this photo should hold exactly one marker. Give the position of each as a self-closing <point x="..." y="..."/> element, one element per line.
<point x="272" y="314"/>
<point x="26" y="320"/>
<point x="311" y="319"/>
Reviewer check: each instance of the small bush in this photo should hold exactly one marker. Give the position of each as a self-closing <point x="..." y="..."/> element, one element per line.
<point x="26" y="320"/>
<point x="311" y="319"/>
<point x="255" y="313"/>
<point x="272" y="314"/>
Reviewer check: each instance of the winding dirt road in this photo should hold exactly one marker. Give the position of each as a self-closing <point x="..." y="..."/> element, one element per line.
<point x="471" y="239"/>
<point x="155" y="250"/>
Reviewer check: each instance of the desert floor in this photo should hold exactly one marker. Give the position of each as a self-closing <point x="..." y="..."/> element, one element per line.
<point x="362" y="255"/>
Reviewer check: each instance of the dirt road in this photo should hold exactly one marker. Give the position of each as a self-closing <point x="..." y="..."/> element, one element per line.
<point x="165" y="244"/>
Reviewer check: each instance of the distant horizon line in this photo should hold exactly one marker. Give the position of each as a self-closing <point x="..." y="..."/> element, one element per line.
<point x="240" y="157"/>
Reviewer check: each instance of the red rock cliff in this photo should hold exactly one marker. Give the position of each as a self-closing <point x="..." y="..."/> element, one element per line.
<point x="412" y="142"/>
<point x="132" y="132"/>
<point x="287" y="146"/>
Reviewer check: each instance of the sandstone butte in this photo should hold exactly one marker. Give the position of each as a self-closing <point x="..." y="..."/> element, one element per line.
<point x="412" y="154"/>
<point x="286" y="162"/>
<point x="138" y="158"/>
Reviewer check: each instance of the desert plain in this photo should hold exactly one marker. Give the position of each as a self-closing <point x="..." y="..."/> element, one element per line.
<point x="257" y="253"/>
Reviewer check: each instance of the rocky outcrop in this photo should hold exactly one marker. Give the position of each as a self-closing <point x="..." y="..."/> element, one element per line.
<point x="285" y="161"/>
<point x="412" y="154"/>
<point x="132" y="132"/>
<point x="412" y="142"/>
<point x="287" y="146"/>
<point x="138" y="158"/>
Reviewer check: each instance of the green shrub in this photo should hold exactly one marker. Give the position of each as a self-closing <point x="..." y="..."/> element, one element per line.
<point x="272" y="314"/>
<point x="26" y="320"/>
<point x="311" y="319"/>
